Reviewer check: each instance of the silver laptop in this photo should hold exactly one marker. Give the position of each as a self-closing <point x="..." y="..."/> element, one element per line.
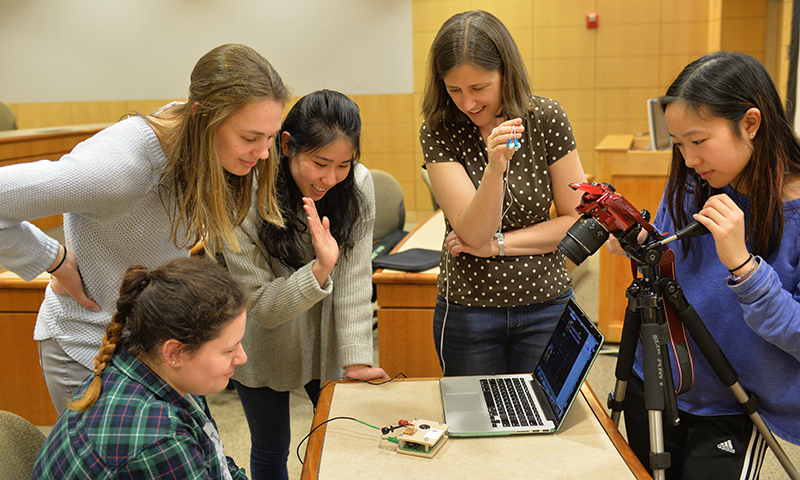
<point x="537" y="403"/>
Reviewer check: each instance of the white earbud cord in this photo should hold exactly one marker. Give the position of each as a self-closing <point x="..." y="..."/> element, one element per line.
<point x="447" y="270"/>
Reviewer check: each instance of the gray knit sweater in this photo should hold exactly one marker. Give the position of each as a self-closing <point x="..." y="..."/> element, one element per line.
<point x="114" y="216"/>
<point x="296" y="331"/>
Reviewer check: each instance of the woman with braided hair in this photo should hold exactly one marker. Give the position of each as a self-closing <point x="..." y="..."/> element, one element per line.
<point x="175" y="337"/>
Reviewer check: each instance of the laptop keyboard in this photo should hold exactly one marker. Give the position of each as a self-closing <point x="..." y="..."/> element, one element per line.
<point x="510" y="403"/>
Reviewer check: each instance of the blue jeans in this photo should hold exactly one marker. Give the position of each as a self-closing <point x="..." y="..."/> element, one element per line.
<point x="267" y="413"/>
<point x="490" y="340"/>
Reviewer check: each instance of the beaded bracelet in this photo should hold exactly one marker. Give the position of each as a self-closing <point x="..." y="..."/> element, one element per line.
<point x="738" y="278"/>
<point x="61" y="262"/>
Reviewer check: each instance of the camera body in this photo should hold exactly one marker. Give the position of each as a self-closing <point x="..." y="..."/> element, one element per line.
<point x="604" y="212"/>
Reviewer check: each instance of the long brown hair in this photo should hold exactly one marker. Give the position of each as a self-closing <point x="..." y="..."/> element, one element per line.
<point x="186" y="299"/>
<point x="210" y="202"/>
<point x="727" y="85"/>
<point x="479" y="39"/>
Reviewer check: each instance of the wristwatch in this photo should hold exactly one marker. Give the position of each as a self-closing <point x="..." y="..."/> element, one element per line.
<point x="501" y="248"/>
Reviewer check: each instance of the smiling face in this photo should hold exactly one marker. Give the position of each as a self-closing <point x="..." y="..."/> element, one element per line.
<point x="208" y="369"/>
<point x="475" y="92"/>
<point x="246" y="136"/>
<point x="708" y="144"/>
<point x="317" y="172"/>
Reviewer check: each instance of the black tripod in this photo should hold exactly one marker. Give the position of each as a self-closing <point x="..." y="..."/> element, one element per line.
<point x="645" y="315"/>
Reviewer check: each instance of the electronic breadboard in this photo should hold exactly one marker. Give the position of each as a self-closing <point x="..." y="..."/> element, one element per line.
<point x="422" y="438"/>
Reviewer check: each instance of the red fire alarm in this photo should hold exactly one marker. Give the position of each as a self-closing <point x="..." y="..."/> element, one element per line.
<point x="591" y="20"/>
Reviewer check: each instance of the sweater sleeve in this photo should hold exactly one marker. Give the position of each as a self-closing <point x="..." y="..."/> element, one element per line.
<point x="277" y="294"/>
<point x="353" y="290"/>
<point x="772" y="312"/>
<point x="101" y="177"/>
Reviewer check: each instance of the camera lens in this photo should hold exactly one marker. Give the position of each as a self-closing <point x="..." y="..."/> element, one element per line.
<point x="583" y="238"/>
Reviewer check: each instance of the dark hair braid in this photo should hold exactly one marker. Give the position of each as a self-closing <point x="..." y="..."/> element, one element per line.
<point x="187" y="299"/>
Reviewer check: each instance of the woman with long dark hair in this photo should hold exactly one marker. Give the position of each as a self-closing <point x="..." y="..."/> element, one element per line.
<point x="310" y="316"/>
<point x="735" y="169"/>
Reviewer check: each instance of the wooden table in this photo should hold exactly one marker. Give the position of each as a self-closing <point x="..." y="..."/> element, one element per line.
<point x="587" y="446"/>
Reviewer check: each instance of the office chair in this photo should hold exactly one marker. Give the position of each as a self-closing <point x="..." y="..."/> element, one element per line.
<point x="8" y="121"/>
<point x="390" y="212"/>
<point x="390" y="216"/>
<point x="427" y="180"/>
<point x="20" y="442"/>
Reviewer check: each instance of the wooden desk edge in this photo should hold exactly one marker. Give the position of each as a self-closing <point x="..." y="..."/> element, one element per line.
<point x="317" y="439"/>
<point x="631" y="460"/>
<point x="406" y="277"/>
<point x="28" y="134"/>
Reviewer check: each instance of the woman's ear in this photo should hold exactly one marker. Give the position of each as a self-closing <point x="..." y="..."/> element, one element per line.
<point x="751" y="122"/>
<point x="172" y="351"/>
<point x="285" y="142"/>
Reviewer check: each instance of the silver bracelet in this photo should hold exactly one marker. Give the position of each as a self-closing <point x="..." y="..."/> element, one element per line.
<point x="501" y="248"/>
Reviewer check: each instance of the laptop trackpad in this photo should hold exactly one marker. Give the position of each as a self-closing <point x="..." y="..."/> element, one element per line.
<point x="463" y="402"/>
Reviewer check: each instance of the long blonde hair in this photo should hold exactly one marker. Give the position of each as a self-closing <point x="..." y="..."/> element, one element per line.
<point x="209" y="201"/>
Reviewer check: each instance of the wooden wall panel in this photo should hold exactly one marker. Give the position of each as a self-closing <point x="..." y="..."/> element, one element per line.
<point x="601" y="76"/>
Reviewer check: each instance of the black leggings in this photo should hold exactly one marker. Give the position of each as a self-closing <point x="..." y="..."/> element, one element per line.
<point x="701" y="447"/>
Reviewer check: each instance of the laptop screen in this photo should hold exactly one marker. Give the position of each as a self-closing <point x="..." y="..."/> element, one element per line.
<point x="567" y="358"/>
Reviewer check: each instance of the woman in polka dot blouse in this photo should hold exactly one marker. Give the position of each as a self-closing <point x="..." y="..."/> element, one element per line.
<point x="497" y="157"/>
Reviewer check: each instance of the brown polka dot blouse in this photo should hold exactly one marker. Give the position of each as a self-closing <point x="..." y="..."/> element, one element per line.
<point x="518" y="280"/>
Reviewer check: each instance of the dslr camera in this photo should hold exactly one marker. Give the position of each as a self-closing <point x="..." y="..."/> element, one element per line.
<point x="604" y="212"/>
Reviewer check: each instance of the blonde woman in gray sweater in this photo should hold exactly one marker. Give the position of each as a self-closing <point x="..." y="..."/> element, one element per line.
<point x="141" y="191"/>
<point x="310" y="317"/>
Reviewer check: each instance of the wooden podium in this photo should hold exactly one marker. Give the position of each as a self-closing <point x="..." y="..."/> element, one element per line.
<point x="640" y="176"/>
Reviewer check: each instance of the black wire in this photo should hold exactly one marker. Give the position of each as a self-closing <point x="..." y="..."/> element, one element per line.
<point x="331" y="382"/>
<point x="315" y="429"/>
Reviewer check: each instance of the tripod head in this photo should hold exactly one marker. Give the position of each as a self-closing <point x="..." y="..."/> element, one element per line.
<point x="605" y="212"/>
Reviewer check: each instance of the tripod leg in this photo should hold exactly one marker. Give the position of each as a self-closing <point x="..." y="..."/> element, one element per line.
<point x="725" y="371"/>
<point x="625" y="357"/>
<point x="655" y="393"/>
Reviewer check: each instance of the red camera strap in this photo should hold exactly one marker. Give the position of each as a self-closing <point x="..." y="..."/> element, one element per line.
<point x="677" y="332"/>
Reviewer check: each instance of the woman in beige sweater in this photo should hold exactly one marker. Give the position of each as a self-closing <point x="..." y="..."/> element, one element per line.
<point x="310" y="316"/>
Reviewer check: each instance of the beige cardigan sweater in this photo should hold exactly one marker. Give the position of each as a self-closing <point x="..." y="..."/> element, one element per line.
<point x="296" y="331"/>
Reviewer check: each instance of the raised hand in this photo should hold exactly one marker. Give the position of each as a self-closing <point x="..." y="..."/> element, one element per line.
<point x="325" y="246"/>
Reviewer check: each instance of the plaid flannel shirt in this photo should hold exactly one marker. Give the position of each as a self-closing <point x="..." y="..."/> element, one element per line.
<point x="140" y="427"/>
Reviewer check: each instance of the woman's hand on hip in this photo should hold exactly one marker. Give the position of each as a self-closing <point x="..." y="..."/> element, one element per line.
<point x="365" y="372"/>
<point x="66" y="280"/>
